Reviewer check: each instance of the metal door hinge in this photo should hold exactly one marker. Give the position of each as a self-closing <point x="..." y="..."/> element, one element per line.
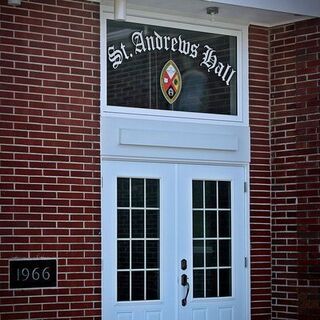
<point x="245" y="262"/>
<point x="245" y="187"/>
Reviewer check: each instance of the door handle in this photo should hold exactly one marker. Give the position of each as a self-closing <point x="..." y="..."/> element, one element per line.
<point x="185" y="283"/>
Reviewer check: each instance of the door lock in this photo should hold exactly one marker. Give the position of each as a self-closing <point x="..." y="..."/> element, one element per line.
<point x="184" y="264"/>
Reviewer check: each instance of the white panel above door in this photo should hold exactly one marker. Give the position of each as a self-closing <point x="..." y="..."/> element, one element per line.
<point x="173" y="140"/>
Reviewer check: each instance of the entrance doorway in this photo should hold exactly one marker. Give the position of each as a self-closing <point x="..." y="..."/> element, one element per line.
<point x="174" y="242"/>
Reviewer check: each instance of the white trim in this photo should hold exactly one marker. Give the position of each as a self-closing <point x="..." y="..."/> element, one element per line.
<point x="247" y="237"/>
<point x="186" y="140"/>
<point x="241" y="32"/>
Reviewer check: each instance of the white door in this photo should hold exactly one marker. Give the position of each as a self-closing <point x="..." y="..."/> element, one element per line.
<point x="211" y="238"/>
<point x="174" y="242"/>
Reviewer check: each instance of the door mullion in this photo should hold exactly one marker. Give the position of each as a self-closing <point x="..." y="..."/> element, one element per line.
<point x="144" y="240"/>
<point x="204" y="241"/>
<point x="218" y="240"/>
<point x="130" y="242"/>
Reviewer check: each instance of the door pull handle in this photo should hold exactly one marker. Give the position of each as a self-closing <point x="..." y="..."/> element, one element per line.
<point x="185" y="283"/>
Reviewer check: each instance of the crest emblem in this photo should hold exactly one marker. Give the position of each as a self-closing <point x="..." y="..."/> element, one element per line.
<point x="170" y="81"/>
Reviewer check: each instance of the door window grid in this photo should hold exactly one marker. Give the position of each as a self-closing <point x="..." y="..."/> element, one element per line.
<point x="131" y="264"/>
<point x="214" y="267"/>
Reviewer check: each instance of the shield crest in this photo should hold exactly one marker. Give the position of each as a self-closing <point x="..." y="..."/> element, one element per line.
<point x="170" y="81"/>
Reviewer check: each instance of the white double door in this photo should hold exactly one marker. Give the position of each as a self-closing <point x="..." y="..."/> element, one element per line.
<point x="174" y="242"/>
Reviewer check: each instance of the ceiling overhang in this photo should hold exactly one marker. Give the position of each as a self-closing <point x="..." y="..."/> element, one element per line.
<point x="260" y="12"/>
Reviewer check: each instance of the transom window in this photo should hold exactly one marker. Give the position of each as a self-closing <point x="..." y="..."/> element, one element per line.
<point x="162" y="68"/>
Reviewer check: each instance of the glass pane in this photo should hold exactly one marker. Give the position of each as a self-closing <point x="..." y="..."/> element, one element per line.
<point x="137" y="222"/>
<point x="198" y="253"/>
<point x="211" y="253"/>
<point x="198" y="283"/>
<point x="123" y="223"/>
<point x="211" y="283"/>
<point x="211" y="224"/>
<point x="224" y="195"/>
<point x="123" y="254"/>
<point x="197" y="194"/>
<point x="152" y="193"/>
<point x="152" y="224"/>
<point x="153" y="285"/>
<point x="137" y="192"/>
<point x="153" y="253"/>
<point x="123" y="286"/>
<point x="137" y="290"/>
<point x="137" y="257"/>
<point x="225" y="253"/>
<point x="197" y="224"/>
<point x="225" y="282"/>
<point x="224" y="224"/>
<point x="133" y="223"/>
<point x="207" y="64"/>
<point x="211" y="194"/>
<point x="123" y="192"/>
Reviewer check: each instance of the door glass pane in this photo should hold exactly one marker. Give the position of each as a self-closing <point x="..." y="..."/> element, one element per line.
<point x="225" y="282"/>
<point x="137" y="254"/>
<point x="211" y="224"/>
<point x="153" y="253"/>
<point x="225" y="253"/>
<point x="123" y="223"/>
<point x="211" y="253"/>
<point x="211" y="283"/>
<point x="137" y="192"/>
<point x="224" y="194"/>
<point x="152" y="191"/>
<point x="198" y="253"/>
<point x="123" y="254"/>
<point x="123" y="286"/>
<point x="123" y="192"/>
<point x="138" y="244"/>
<point x="197" y="224"/>
<point x="137" y="222"/>
<point x="198" y="283"/>
<point x="153" y="285"/>
<point x="137" y="289"/>
<point x="224" y="224"/>
<point x="152" y="223"/>
<point x="211" y="196"/>
<point x="197" y="194"/>
<point x="212" y="248"/>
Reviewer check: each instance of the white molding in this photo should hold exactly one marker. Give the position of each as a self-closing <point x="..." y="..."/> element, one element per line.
<point x="240" y="31"/>
<point x="184" y="140"/>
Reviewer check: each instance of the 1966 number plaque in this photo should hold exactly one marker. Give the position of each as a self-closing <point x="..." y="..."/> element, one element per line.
<point x="33" y="273"/>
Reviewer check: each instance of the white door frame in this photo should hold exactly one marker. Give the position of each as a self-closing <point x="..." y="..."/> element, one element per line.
<point x="127" y="134"/>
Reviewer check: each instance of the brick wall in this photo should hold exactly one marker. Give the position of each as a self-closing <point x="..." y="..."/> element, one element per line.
<point x="260" y="177"/>
<point x="50" y="178"/>
<point x="295" y="113"/>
